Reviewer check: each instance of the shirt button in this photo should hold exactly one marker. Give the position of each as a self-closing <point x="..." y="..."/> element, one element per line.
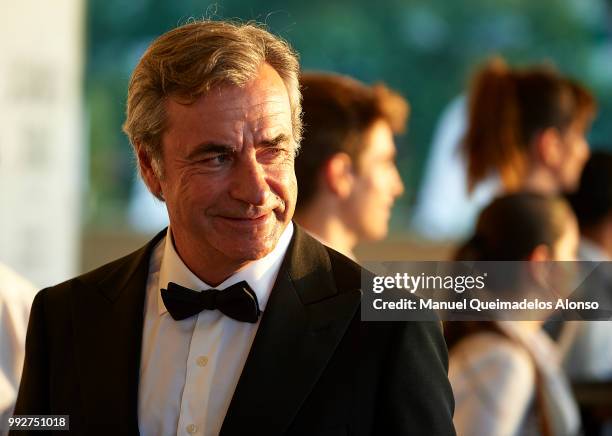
<point x="192" y="428"/>
<point x="202" y="361"/>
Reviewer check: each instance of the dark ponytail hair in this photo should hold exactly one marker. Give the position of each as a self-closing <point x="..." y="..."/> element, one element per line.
<point x="513" y="225"/>
<point x="508" y="108"/>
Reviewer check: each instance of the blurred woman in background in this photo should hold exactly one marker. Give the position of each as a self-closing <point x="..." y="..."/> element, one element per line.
<point x="528" y="126"/>
<point x="506" y="375"/>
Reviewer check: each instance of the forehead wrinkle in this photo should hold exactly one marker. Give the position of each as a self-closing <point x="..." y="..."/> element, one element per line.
<point x="239" y="114"/>
<point x="254" y="107"/>
<point x="273" y="120"/>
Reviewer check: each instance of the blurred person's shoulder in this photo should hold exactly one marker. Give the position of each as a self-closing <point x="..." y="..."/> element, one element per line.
<point x="491" y="354"/>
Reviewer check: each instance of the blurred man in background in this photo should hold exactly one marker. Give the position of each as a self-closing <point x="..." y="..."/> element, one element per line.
<point x="346" y="169"/>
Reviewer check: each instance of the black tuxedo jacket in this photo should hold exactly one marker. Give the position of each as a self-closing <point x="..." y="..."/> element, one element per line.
<point x="314" y="368"/>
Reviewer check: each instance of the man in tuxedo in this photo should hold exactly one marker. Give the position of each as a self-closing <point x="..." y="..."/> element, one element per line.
<point x="346" y="167"/>
<point x="232" y="321"/>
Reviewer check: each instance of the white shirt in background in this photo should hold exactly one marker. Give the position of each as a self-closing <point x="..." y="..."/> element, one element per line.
<point x="16" y="296"/>
<point x="494" y="382"/>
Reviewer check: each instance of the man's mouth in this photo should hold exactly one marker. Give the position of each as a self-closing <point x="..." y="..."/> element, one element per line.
<point x="254" y="219"/>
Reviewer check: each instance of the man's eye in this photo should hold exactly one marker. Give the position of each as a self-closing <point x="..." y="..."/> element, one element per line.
<point x="218" y="159"/>
<point x="273" y="152"/>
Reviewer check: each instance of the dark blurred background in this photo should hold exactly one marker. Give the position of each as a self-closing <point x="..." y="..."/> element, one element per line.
<point x="425" y="49"/>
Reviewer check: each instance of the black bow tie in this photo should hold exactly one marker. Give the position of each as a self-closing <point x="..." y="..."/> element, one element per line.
<point x="237" y="301"/>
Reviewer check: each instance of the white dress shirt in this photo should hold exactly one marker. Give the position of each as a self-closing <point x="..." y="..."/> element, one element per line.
<point x="189" y="369"/>
<point x="16" y="296"/>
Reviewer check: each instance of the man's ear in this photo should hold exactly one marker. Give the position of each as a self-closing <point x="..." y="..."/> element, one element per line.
<point x="549" y="147"/>
<point x="338" y="174"/>
<point x="149" y="171"/>
<point x="539" y="266"/>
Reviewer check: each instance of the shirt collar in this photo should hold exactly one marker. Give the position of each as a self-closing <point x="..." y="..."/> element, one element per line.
<point x="259" y="274"/>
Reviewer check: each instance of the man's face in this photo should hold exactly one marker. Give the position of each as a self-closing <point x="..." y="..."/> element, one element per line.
<point x="377" y="184"/>
<point x="228" y="176"/>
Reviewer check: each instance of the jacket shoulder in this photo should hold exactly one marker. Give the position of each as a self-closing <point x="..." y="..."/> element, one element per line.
<point x="347" y="273"/>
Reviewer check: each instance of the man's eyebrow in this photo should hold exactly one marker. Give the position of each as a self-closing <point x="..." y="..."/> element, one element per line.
<point x="210" y="148"/>
<point x="277" y="140"/>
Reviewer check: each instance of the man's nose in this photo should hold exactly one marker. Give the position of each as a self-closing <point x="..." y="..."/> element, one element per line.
<point x="249" y="181"/>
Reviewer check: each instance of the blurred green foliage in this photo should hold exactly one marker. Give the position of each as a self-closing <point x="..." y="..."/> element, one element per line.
<point x="425" y="49"/>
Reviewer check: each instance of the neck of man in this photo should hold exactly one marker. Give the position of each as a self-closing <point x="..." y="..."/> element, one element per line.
<point x="215" y="270"/>
<point x="325" y="224"/>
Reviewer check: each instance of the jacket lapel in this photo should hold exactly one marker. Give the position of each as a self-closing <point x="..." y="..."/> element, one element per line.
<point x="304" y="321"/>
<point x="108" y="315"/>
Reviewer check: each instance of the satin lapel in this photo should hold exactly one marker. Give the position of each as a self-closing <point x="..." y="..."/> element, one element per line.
<point x="303" y="322"/>
<point x="108" y="316"/>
